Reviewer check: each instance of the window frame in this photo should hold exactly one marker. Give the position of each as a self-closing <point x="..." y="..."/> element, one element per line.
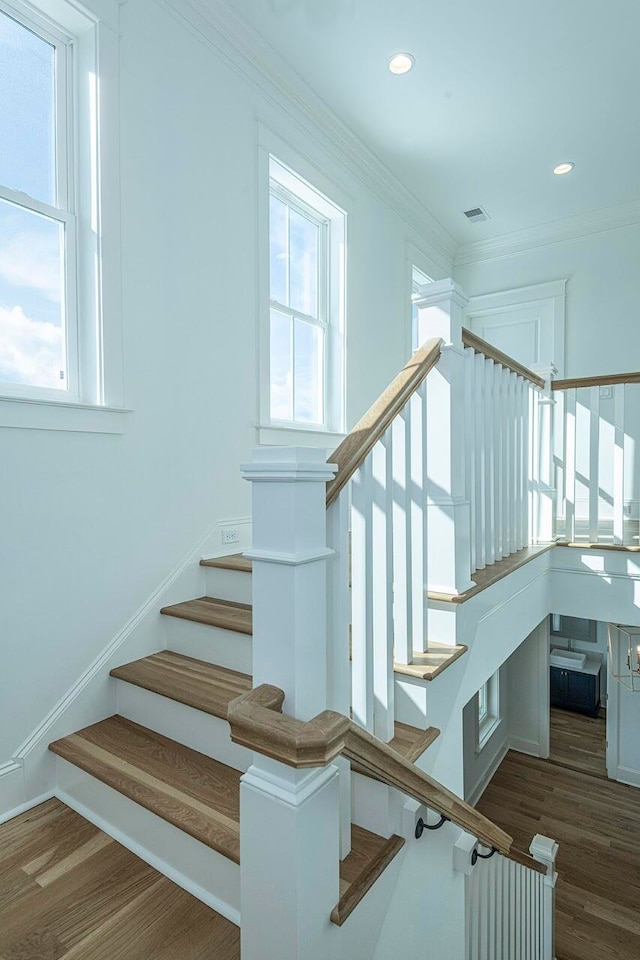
<point x="310" y="189"/>
<point x="322" y="321"/>
<point x="63" y="210"/>
<point x="487" y="722"/>
<point x="93" y="400"/>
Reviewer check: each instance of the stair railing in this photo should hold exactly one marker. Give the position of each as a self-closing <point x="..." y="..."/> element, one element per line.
<point x="510" y="907"/>
<point x="595" y="440"/>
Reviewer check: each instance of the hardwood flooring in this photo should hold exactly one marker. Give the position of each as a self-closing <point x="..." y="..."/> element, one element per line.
<point x="193" y="792"/>
<point x="70" y="892"/>
<point x="597" y="825"/>
<point x="579" y="742"/>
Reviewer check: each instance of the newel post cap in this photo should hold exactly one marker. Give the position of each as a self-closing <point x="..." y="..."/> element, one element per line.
<point x="440" y="291"/>
<point x="288" y="465"/>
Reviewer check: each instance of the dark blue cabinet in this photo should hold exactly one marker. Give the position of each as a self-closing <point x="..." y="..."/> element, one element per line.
<point x="572" y="690"/>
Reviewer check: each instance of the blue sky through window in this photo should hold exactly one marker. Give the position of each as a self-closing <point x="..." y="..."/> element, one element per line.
<point x="32" y="350"/>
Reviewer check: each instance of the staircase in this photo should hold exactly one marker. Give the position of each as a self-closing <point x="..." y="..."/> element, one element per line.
<point x="303" y="827"/>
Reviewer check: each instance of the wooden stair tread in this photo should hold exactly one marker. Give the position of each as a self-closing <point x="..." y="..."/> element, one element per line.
<point x="204" y="686"/>
<point x="235" y="562"/>
<point x="412" y="742"/>
<point x="187" y="789"/>
<point x="370" y="855"/>
<point x="494" y="572"/>
<point x="427" y="666"/>
<point x="214" y="612"/>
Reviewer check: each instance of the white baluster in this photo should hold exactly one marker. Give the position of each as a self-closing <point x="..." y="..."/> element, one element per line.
<point x="498" y="448"/>
<point x="470" y="444"/>
<point x="618" y="463"/>
<point x="382" y="588"/>
<point x="418" y="492"/>
<point x="489" y="515"/>
<point x="560" y="473"/>
<point x="402" y="571"/>
<point x="480" y="461"/>
<point x="525" y="525"/>
<point x="362" y="596"/>
<point x="338" y="660"/>
<point x="570" y="464"/>
<point x="594" y="464"/>
<point x="513" y="461"/>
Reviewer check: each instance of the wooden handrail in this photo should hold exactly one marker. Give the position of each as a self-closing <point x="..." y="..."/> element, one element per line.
<point x="257" y="723"/>
<point x="353" y="450"/>
<point x="472" y="340"/>
<point x="609" y="379"/>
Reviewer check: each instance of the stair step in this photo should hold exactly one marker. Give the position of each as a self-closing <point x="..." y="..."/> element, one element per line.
<point x="427" y="666"/>
<point x="214" y="612"/>
<point x="203" y="686"/>
<point x="369" y="857"/>
<point x="235" y="562"/>
<point x="198" y="795"/>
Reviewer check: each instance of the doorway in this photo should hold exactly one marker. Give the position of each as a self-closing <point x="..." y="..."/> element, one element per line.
<point x="578" y="694"/>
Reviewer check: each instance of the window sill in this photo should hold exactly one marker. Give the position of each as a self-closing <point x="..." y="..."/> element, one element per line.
<point x="27" y="414"/>
<point x="486" y="730"/>
<point x="292" y="436"/>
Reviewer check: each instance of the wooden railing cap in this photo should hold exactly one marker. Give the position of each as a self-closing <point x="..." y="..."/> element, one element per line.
<point x="476" y="343"/>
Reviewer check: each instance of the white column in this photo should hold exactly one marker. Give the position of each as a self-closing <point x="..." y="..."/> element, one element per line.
<point x="290" y="819"/>
<point x="440" y="312"/>
<point x="545" y="851"/>
<point x="545" y="494"/>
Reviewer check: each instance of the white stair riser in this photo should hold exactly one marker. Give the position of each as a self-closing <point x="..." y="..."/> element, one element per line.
<point x="376" y="807"/>
<point x="193" y="728"/>
<point x="226" y="648"/>
<point x="205" y="873"/>
<point x="228" y="584"/>
<point x="411" y="699"/>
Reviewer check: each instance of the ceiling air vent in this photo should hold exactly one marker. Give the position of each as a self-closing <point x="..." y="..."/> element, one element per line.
<point x="476" y="215"/>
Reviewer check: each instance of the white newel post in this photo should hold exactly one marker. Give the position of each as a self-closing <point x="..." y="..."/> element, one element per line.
<point x="542" y="466"/>
<point x="545" y="851"/>
<point x="441" y="308"/>
<point x="289" y="819"/>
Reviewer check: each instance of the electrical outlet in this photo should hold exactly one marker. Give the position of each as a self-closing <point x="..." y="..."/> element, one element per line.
<point x="606" y="393"/>
<point x="230" y="536"/>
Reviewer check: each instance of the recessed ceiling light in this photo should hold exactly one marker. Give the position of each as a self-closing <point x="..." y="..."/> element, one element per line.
<point x="563" y="168"/>
<point x="401" y="63"/>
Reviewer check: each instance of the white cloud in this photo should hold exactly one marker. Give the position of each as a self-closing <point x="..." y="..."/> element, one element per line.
<point x="30" y="352"/>
<point x="31" y="258"/>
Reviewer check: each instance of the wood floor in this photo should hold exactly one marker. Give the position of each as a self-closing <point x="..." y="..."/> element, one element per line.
<point x="597" y="825"/>
<point x="70" y="892"/>
<point x="579" y="742"/>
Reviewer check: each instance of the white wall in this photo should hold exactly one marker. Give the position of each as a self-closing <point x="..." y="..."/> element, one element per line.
<point x="92" y="523"/>
<point x="480" y="765"/>
<point x="603" y="294"/>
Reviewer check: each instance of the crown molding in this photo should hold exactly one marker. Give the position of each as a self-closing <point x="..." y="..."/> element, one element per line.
<point x="546" y="234"/>
<point x="214" y="23"/>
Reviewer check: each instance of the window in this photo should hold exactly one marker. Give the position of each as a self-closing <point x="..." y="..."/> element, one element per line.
<point x="58" y="211"/>
<point x="488" y="710"/>
<point x="37" y="229"/>
<point x="306" y="304"/>
<point x="418" y="279"/>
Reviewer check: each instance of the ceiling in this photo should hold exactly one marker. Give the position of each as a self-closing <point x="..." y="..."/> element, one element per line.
<point x="501" y="91"/>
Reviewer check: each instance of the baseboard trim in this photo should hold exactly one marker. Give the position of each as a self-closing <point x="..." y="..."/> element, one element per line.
<point x="486" y="778"/>
<point x="24" y="807"/>
<point x="224" y="909"/>
<point x="628" y="776"/>
<point x="530" y="747"/>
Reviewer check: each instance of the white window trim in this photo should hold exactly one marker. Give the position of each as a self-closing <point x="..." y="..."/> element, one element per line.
<point x="488" y="726"/>
<point x="273" y="150"/>
<point x="96" y="403"/>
